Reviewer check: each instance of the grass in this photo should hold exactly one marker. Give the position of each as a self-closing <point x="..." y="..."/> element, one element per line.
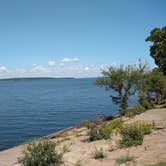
<point x="78" y="163"/>
<point x="124" y="159"/>
<point x="98" y="154"/>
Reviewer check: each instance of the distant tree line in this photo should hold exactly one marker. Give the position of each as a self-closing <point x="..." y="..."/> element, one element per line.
<point x="125" y="81"/>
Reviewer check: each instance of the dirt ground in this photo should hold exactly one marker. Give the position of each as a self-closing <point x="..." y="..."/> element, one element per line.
<point x="75" y="147"/>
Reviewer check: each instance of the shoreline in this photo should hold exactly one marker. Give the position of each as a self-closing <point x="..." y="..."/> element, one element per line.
<point x="74" y="139"/>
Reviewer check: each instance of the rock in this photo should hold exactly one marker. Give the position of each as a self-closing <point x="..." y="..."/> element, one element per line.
<point x="159" y="127"/>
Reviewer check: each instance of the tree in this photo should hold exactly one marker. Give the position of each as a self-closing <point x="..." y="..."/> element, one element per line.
<point x="156" y="84"/>
<point x="121" y="81"/>
<point x="158" y="48"/>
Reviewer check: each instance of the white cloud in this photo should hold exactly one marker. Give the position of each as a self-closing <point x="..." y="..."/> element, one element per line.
<point x="86" y="68"/>
<point x="39" y="69"/>
<point x="3" y="69"/>
<point x="70" y="60"/>
<point x="51" y="63"/>
<point x="59" y="70"/>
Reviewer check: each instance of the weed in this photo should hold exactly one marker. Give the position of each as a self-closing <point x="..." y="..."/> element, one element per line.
<point x="98" y="154"/>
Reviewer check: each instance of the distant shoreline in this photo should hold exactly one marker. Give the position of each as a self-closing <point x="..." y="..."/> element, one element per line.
<point x="35" y="78"/>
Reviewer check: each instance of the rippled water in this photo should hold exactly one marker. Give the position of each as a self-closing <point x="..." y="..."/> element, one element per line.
<point x="34" y="108"/>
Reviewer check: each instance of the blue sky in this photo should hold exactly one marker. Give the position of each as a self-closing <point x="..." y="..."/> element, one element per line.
<point x="74" y="37"/>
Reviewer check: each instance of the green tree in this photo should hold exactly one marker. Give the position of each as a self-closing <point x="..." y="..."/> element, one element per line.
<point x="158" y="48"/>
<point x="121" y="82"/>
<point x="156" y="84"/>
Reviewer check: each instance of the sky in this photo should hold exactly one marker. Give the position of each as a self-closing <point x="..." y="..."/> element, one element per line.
<point x="75" y="38"/>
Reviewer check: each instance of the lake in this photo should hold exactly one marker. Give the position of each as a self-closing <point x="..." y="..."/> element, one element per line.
<point x="34" y="108"/>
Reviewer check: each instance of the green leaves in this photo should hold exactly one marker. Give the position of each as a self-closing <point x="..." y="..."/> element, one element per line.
<point x="158" y="48"/>
<point x="41" y="153"/>
<point x="121" y="80"/>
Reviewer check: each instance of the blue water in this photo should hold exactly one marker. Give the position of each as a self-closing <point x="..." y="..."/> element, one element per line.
<point x="34" y="108"/>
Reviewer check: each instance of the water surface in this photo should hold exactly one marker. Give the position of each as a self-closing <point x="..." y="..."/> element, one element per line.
<point x="34" y="108"/>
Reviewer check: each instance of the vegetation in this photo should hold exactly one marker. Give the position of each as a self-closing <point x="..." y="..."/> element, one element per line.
<point x="98" y="134"/>
<point x="114" y="126"/>
<point x="65" y="149"/>
<point x="150" y="85"/>
<point x="159" y="164"/>
<point x="78" y="163"/>
<point x="87" y="124"/>
<point x="104" y="131"/>
<point x="132" y="135"/>
<point x="136" y="110"/>
<point x="156" y="86"/>
<point x="125" y="159"/>
<point x="158" y="48"/>
<point x="120" y="81"/>
<point x="41" y="153"/>
<point x="98" y="154"/>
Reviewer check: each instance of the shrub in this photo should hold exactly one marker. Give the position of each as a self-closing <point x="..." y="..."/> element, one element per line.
<point x="41" y="153"/>
<point x="98" y="154"/>
<point x="145" y="128"/>
<point x="138" y="109"/>
<point x="131" y="135"/>
<point x="134" y="134"/>
<point x="114" y="125"/>
<point x="146" y="104"/>
<point x="98" y="134"/>
<point x="87" y="124"/>
<point x="124" y="159"/>
<point x="105" y="131"/>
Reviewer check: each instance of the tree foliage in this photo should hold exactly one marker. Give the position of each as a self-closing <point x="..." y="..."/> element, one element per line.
<point x="158" y="48"/>
<point x="121" y="82"/>
<point x="156" y="86"/>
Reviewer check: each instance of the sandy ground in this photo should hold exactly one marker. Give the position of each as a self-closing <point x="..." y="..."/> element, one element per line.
<point x="77" y="148"/>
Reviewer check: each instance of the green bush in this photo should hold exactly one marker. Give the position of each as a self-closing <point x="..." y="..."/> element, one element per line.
<point x="145" y="128"/>
<point x="138" y="109"/>
<point x="98" y="154"/>
<point x="41" y="153"/>
<point x="114" y="125"/>
<point x="146" y="104"/>
<point x="87" y="124"/>
<point x="105" y="131"/>
<point x="133" y="134"/>
<point x="98" y="134"/>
